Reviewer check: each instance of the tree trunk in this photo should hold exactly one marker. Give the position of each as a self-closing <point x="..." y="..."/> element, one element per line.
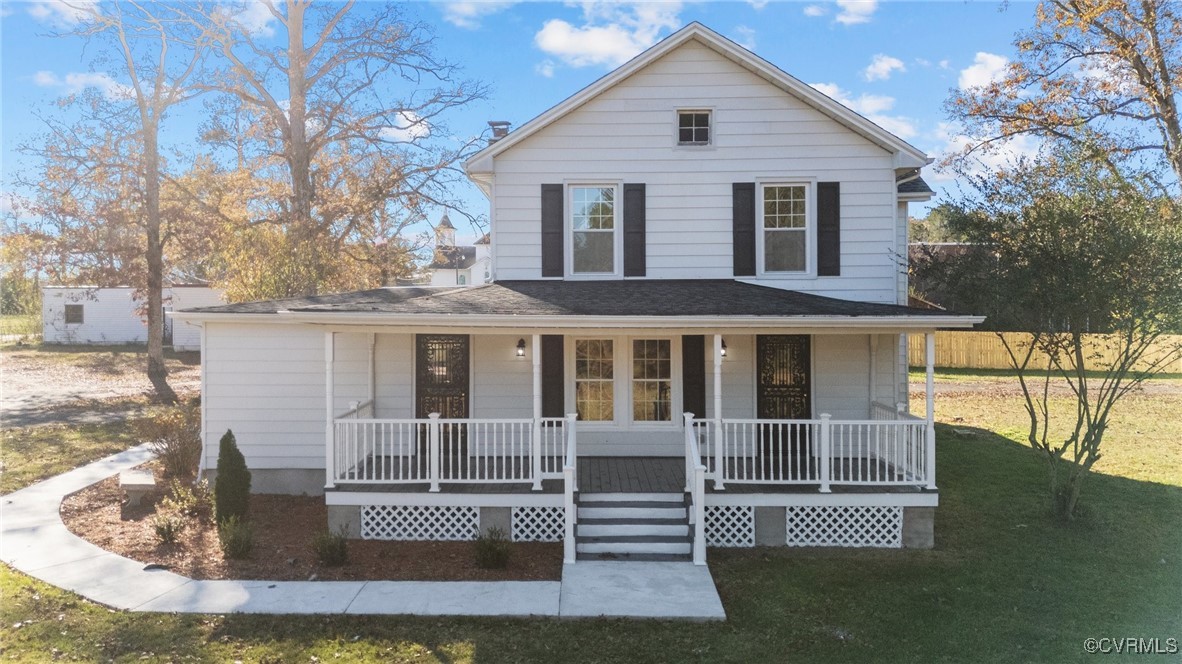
<point x="303" y="229"/>
<point x="157" y="371"/>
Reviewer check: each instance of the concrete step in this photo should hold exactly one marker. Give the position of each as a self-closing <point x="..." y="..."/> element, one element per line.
<point x="678" y="498"/>
<point x="633" y="544"/>
<point x="624" y="527"/>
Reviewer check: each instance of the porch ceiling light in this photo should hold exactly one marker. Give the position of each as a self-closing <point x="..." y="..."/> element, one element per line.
<point x="723" y="351"/>
<point x="521" y="348"/>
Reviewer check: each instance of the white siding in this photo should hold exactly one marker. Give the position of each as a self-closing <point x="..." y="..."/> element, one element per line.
<point x="185" y="335"/>
<point x="738" y="376"/>
<point x="841" y="375"/>
<point x="266" y="383"/>
<point x="627" y="134"/>
<point x="502" y="383"/>
<point x="110" y="316"/>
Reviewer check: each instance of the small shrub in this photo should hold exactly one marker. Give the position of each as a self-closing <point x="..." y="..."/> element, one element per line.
<point x="191" y="500"/>
<point x="168" y="527"/>
<point x="174" y="434"/>
<point x="492" y="549"/>
<point x="331" y="548"/>
<point x="236" y="537"/>
<point x="231" y="489"/>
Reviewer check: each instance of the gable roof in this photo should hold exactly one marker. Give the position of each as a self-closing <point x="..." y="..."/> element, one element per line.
<point x="453" y="258"/>
<point x="906" y="155"/>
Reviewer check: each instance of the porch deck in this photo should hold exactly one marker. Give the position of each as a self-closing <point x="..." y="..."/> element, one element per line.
<point x="625" y="475"/>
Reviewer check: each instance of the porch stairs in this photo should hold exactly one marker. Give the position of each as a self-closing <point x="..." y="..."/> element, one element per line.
<point x="633" y="526"/>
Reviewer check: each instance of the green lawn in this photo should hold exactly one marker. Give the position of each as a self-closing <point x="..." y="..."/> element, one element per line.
<point x="35" y="453"/>
<point x="1004" y="584"/>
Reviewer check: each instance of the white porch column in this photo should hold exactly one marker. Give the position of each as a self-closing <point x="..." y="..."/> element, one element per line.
<point x="330" y="472"/>
<point x="373" y="376"/>
<point x="717" y="377"/>
<point x="930" y="357"/>
<point x="873" y="372"/>
<point x="719" y="434"/>
<point x="536" y="447"/>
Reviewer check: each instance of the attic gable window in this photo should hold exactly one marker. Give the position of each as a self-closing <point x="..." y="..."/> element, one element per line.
<point x="693" y="127"/>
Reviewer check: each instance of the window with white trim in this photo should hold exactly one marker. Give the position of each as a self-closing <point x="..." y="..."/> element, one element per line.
<point x="593" y="229"/>
<point x="785" y="227"/>
<point x="652" y="380"/>
<point x="595" y="393"/>
<point x="74" y="314"/>
<point x="693" y="127"/>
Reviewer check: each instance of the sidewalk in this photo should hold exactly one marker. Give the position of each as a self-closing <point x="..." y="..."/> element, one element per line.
<point x="34" y="540"/>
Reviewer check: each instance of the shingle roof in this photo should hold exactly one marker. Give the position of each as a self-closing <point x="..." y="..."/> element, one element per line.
<point x="642" y="298"/>
<point x="453" y="258"/>
<point x="915" y="186"/>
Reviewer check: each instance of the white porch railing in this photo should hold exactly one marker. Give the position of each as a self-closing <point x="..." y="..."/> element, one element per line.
<point x="695" y="478"/>
<point x="435" y="450"/>
<point x="889" y="450"/>
<point x="570" y="484"/>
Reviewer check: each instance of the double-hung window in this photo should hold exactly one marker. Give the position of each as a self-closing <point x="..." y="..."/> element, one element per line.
<point x="595" y="393"/>
<point x="785" y="227"/>
<point x="593" y="229"/>
<point x="652" y="380"/>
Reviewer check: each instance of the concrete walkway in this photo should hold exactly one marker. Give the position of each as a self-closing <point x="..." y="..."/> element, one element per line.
<point x="34" y="540"/>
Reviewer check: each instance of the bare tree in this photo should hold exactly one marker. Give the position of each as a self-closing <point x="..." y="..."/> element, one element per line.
<point x="106" y="170"/>
<point x="339" y="94"/>
<point x="1100" y="74"/>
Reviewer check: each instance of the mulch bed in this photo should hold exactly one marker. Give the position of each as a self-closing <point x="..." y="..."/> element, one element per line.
<point x="283" y="531"/>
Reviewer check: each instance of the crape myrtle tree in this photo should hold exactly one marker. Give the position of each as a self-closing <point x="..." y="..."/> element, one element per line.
<point x="1086" y="264"/>
<point x="1100" y="74"/>
<point x="340" y="109"/>
<point x="96" y="198"/>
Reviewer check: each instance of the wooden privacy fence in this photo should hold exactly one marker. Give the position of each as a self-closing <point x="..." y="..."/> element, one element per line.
<point x="984" y="350"/>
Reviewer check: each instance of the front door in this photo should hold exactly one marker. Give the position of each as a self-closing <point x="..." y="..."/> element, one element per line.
<point x="783" y="392"/>
<point x="441" y="386"/>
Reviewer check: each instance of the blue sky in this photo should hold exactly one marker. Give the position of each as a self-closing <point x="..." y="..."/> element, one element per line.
<point x="894" y="62"/>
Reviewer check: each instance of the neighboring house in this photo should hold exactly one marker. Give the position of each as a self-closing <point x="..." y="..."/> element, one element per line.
<point x="453" y="265"/>
<point x="101" y="316"/>
<point x="695" y="335"/>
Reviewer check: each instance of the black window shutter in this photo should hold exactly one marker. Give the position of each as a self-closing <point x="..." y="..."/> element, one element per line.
<point x="693" y="375"/>
<point x="553" y="390"/>
<point x="743" y="201"/>
<point x="634" y="237"/>
<point x="552" y="245"/>
<point x="828" y="229"/>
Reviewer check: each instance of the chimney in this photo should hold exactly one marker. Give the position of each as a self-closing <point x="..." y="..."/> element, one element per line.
<point x="500" y="129"/>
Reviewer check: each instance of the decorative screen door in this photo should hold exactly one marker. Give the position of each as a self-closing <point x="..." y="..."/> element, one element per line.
<point x="783" y="392"/>
<point x="441" y="386"/>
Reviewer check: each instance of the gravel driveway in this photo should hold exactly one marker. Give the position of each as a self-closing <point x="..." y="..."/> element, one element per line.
<point x="76" y="384"/>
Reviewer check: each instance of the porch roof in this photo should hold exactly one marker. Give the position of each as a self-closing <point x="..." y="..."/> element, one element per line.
<point x="625" y="301"/>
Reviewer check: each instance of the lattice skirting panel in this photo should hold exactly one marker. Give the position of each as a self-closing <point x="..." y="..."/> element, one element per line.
<point x="419" y="522"/>
<point x="730" y="525"/>
<point x="866" y="526"/>
<point x="538" y="524"/>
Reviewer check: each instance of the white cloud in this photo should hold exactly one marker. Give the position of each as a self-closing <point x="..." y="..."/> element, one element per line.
<point x="856" y="11"/>
<point x="815" y="10"/>
<point x="468" y="14"/>
<point x="60" y="14"/>
<point x="745" y="37"/>
<point x="411" y="128"/>
<point x="611" y="34"/>
<point x="986" y="69"/>
<point x="881" y="67"/>
<point x="1001" y="155"/>
<point x="75" y="82"/>
<point x="254" y="17"/>
<point x="944" y="64"/>
<point x="545" y="68"/>
<point x="873" y="107"/>
<point x="758" y="4"/>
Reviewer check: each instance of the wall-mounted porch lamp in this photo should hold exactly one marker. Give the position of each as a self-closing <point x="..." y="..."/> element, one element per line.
<point x="723" y="351"/>
<point x="521" y="348"/>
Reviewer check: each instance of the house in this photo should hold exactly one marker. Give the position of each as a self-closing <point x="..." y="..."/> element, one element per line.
<point x="112" y="316"/>
<point x="695" y="335"/>
<point x="453" y="265"/>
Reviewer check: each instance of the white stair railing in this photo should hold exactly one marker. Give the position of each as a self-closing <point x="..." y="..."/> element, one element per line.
<point x="570" y="479"/>
<point x="696" y="480"/>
